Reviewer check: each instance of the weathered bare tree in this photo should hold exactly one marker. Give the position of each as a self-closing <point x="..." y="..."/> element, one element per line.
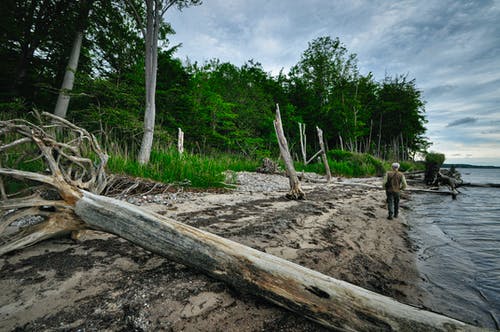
<point x="303" y="144"/>
<point x="66" y="199"/>
<point x="295" y="188"/>
<point x="323" y="154"/>
<point x="322" y="151"/>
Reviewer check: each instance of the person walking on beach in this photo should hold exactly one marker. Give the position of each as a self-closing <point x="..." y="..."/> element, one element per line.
<point x="394" y="182"/>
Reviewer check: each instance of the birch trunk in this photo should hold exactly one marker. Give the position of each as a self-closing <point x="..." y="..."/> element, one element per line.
<point x="153" y="17"/>
<point x="64" y="97"/>
<point x="369" y="144"/>
<point x="69" y="77"/>
<point x="379" y="136"/>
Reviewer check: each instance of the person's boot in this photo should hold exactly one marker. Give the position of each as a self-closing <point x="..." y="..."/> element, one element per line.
<point x="389" y="217"/>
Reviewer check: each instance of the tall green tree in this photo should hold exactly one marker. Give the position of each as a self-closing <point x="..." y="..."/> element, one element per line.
<point x="37" y="37"/>
<point x="236" y="105"/>
<point x="28" y="43"/>
<point x="401" y="118"/>
<point x="325" y="80"/>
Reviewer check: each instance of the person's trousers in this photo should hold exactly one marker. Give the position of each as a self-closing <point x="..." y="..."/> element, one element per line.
<point x="393" y="203"/>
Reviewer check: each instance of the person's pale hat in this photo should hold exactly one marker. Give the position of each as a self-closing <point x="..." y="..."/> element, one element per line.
<point x="395" y="165"/>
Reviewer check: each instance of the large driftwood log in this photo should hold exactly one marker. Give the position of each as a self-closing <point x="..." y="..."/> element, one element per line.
<point x="333" y="303"/>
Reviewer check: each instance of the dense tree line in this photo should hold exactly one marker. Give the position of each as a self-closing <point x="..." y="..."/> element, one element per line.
<point x="220" y="106"/>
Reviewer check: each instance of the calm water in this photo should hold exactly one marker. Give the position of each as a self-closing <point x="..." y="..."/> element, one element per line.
<point x="459" y="249"/>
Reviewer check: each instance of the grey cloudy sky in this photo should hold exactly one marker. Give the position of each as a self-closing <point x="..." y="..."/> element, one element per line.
<point x="451" y="48"/>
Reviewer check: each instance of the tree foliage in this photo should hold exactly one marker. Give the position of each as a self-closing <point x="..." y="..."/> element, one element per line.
<point x="220" y="106"/>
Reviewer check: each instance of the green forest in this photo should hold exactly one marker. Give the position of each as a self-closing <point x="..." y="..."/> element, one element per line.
<point x="224" y="109"/>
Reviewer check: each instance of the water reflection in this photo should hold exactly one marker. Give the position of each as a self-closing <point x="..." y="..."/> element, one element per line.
<point x="459" y="253"/>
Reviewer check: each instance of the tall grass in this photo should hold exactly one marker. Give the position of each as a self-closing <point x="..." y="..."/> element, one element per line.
<point x="168" y="166"/>
<point x="350" y="164"/>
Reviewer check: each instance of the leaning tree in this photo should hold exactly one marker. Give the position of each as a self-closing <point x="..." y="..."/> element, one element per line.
<point x="50" y="178"/>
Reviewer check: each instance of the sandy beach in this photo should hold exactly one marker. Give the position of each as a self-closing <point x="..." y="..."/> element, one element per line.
<point x="101" y="282"/>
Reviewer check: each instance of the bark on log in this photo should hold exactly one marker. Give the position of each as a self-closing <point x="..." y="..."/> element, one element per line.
<point x="328" y="301"/>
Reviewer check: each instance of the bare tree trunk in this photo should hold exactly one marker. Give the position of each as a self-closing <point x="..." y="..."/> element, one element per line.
<point x="333" y="303"/>
<point x="3" y="193"/>
<point x="350" y="146"/>
<point x="396" y="148"/>
<point x="403" y="149"/>
<point x="295" y="189"/>
<point x="180" y="141"/>
<point x="303" y="141"/>
<point x="369" y="145"/>
<point x="323" y="154"/>
<point x="379" y="136"/>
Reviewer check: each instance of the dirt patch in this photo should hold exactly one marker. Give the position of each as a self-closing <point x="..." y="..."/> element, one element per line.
<point x="105" y="283"/>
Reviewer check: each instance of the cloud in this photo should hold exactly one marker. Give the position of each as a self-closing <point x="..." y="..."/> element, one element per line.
<point x="463" y="121"/>
<point x="450" y="47"/>
<point x="439" y="90"/>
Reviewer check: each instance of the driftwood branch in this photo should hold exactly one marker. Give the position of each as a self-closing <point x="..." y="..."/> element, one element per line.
<point x="313" y="157"/>
<point x="328" y="301"/>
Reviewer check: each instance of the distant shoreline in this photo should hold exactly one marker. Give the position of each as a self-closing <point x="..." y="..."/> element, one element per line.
<point x="469" y="166"/>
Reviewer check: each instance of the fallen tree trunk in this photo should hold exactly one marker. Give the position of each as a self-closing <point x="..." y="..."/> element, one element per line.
<point x="480" y="185"/>
<point x="328" y="301"/>
<point x="323" y="299"/>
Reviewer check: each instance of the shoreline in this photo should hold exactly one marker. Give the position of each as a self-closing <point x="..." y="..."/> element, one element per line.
<point x="339" y="230"/>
